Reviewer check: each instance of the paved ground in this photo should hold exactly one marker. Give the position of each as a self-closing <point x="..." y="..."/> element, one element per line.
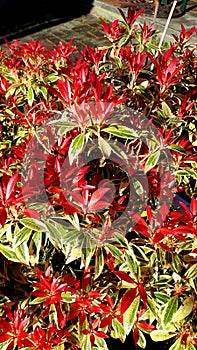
<point x="86" y="29"/>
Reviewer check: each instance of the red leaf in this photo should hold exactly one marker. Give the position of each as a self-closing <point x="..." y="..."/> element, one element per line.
<point x="101" y="334"/>
<point x="142" y="293"/>
<point x="82" y="318"/>
<point x="3" y="216"/>
<point x="194" y="206"/>
<point x="124" y="277"/>
<point x="127" y="299"/>
<point x="158" y="237"/>
<point x="93" y="294"/>
<point x="110" y="300"/>
<point x="165" y="247"/>
<point x="4" y="337"/>
<point x="96" y="202"/>
<point x="86" y="279"/>
<point x="31" y="213"/>
<point x="146" y="326"/>
<point x="94" y="309"/>
<point x="136" y="335"/>
<point x="39" y="294"/>
<point x="195" y="340"/>
<point x="73" y="314"/>
<point x="106" y="322"/>
<point x="141" y="229"/>
<point x="149" y="213"/>
<point x="10" y="186"/>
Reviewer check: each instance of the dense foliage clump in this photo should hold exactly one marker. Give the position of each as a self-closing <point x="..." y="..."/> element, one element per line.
<point x="98" y="191"/>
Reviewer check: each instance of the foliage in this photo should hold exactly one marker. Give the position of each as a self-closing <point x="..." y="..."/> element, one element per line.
<point x="98" y="189"/>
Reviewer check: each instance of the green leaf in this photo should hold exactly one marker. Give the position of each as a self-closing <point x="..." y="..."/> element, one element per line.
<point x="130" y="315"/>
<point x="4" y="345"/>
<point x="121" y="131"/>
<point x="86" y="344"/>
<point x="191" y="272"/>
<point x="177" y="345"/>
<point x="4" y="229"/>
<point x="119" y="61"/>
<point x="101" y="343"/>
<point x="132" y="263"/>
<point x="121" y="239"/>
<point x="68" y="297"/>
<point x="152" y="161"/>
<point x="169" y="310"/>
<point x="104" y="147"/>
<point x="8" y="253"/>
<point x="152" y="306"/>
<point x="161" y="335"/>
<point x="177" y="148"/>
<point x="36" y="242"/>
<point x="22" y="253"/>
<point x="99" y="262"/>
<point x="65" y="125"/>
<point x="142" y="340"/>
<point x="187" y="172"/>
<point x="119" y="331"/>
<point x="70" y="236"/>
<point x="44" y="92"/>
<point x="37" y="301"/>
<point x="117" y="254"/>
<point x="123" y="40"/>
<point x="184" y="310"/>
<point x="22" y="236"/>
<point x="75" y="253"/>
<point x="64" y="129"/>
<point x="166" y="109"/>
<point x="52" y="77"/>
<point x="34" y="224"/>
<point x="192" y="347"/>
<point x="87" y="251"/>
<point x="30" y="96"/>
<point x="162" y="297"/>
<point x="76" y="147"/>
<point x="54" y="235"/>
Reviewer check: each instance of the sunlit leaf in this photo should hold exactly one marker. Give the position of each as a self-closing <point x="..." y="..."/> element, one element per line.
<point x="169" y="310"/>
<point x="22" y="235"/>
<point x="152" y="160"/>
<point x="30" y="96"/>
<point x="22" y="253"/>
<point x="86" y="344"/>
<point x="121" y="131"/>
<point x="184" y="310"/>
<point x="130" y="315"/>
<point x="9" y="253"/>
<point x="99" y="263"/>
<point x="177" y="345"/>
<point x="104" y="147"/>
<point x="76" y="147"/>
<point x="119" y="331"/>
<point x="161" y="335"/>
<point x="34" y="224"/>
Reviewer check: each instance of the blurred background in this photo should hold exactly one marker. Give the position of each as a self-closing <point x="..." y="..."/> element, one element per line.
<point x="21" y="17"/>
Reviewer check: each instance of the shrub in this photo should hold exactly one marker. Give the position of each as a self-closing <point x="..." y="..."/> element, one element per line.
<point x="98" y="191"/>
